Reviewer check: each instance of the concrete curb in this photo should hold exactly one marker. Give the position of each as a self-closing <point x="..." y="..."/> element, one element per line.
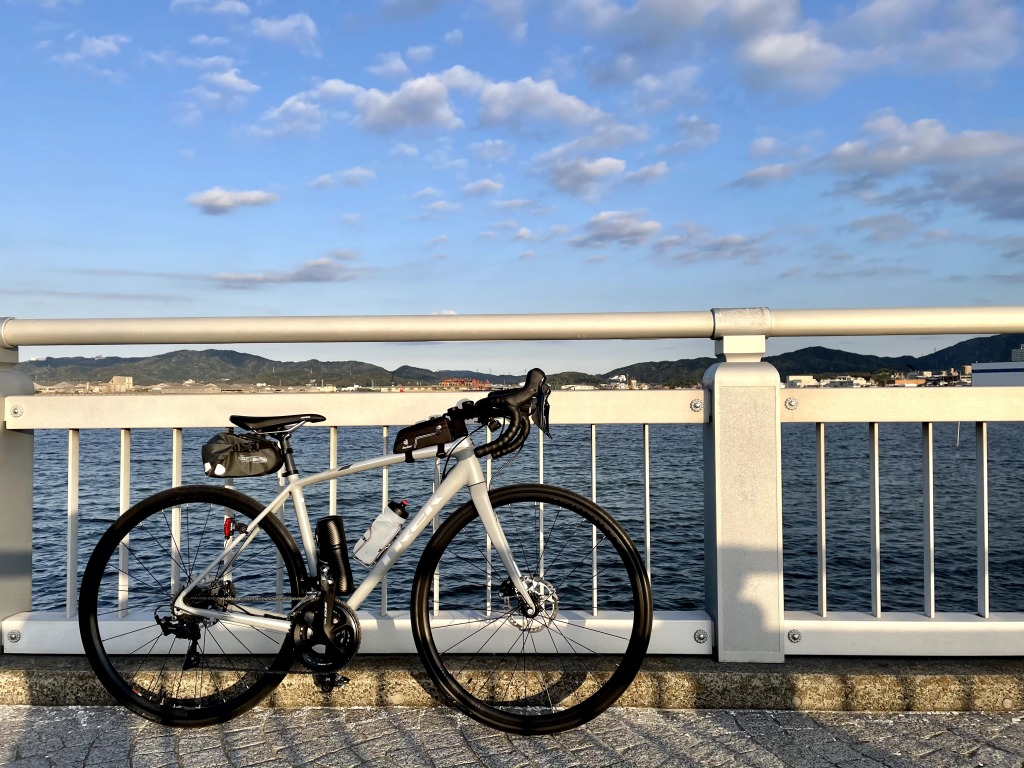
<point x="664" y="682"/>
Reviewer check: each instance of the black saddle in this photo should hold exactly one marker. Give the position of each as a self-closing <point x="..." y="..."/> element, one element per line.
<point x="275" y="425"/>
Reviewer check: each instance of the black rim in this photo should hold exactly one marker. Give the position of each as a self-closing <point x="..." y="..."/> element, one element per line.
<point x="533" y="673"/>
<point x="177" y="669"/>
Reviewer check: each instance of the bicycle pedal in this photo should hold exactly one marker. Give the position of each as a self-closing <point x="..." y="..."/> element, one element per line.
<point x="328" y="681"/>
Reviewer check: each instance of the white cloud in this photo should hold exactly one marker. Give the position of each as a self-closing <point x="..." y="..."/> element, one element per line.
<point x="358" y="176"/>
<point x="493" y="150"/>
<point x="427" y="192"/>
<point x="389" y="65"/>
<point x="443" y="206"/>
<point x="403" y="150"/>
<point x="299" y="114"/>
<point x="207" y="40"/>
<point x="697" y="244"/>
<point x="527" y="103"/>
<point x="338" y="267"/>
<point x="524" y="234"/>
<point x="351" y="177"/>
<point x="648" y="173"/>
<point x="420" y="53"/>
<point x="352" y="219"/>
<point x="454" y="37"/>
<point x="512" y="15"/>
<point x="217" y="201"/>
<point x="695" y="133"/>
<point x="230" y="81"/>
<point x="204" y="62"/>
<point x="884" y="228"/>
<point x="889" y="145"/>
<point x="765" y="174"/>
<point x="482" y="187"/>
<point x="584" y="178"/>
<point x="211" y="6"/>
<point x="94" y="48"/>
<point x="796" y="59"/>
<point x="763" y="145"/>
<point x="297" y="29"/>
<point x="424" y="102"/>
<point x="661" y="92"/>
<point x="623" y="228"/>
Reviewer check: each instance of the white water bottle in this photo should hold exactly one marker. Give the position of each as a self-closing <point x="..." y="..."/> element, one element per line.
<point x="381" y="533"/>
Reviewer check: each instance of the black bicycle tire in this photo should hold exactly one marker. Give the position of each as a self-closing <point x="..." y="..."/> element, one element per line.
<point x="609" y="691"/>
<point x="106" y="548"/>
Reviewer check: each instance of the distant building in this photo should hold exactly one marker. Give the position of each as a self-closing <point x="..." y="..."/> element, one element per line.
<point x="800" y="382"/>
<point x="1017" y="355"/>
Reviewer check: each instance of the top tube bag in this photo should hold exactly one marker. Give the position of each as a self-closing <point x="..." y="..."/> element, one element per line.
<point x="246" y="455"/>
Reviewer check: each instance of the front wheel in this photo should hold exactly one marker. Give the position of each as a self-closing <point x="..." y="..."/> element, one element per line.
<point x="543" y="669"/>
<point x="172" y="666"/>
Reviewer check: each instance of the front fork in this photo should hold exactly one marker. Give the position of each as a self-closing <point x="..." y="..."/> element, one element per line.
<point x="482" y="502"/>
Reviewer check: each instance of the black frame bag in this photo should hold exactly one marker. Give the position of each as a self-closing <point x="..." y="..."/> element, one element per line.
<point x="246" y="455"/>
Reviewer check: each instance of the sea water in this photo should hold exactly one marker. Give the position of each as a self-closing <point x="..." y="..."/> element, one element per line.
<point x="676" y="541"/>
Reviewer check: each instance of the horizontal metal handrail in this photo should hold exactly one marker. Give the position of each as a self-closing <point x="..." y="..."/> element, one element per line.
<point x="714" y="323"/>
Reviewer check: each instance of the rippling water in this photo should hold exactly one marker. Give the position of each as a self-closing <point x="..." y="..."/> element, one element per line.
<point x="676" y="540"/>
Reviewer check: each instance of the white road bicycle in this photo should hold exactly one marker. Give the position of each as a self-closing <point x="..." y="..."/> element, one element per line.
<point x="198" y="601"/>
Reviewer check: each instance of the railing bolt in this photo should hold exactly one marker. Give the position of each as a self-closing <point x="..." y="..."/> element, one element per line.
<point x="696" y="406"/>
<point x="792" y="403"/>
<point x="795" y="636"/>
<point x="700" y="636"/>
<point x="14" y="636"/>
<point x="17" y="410"/>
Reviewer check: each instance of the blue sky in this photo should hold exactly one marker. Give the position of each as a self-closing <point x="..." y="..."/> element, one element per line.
<point x="209" y="157"/>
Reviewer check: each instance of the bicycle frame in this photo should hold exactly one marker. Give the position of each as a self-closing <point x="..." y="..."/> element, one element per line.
<point x="467" y="472"/>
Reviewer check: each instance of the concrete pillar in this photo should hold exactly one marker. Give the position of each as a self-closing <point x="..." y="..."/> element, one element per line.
<point x="743" y="502"/>
<point x="15" y="495"/>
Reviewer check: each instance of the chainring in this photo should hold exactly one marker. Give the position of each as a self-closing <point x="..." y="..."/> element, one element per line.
<point x="327" y="649"/>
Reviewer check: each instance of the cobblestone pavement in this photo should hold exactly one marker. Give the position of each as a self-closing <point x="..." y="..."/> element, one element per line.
<point x="48" y="737"/>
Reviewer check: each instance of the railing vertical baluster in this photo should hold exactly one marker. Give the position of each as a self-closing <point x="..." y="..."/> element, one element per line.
<point x="384" y="504"/>
<point x="437" y="573"/>
<point x="928" y="526"/>
<point x="647" y="497"/>
<point x="124" y="502"/>
<point x="71" y="592"/>
<point x="176" y="464"/>
<point x="487" y="539"/>
<point x="279" y="577"/>
<point x="819" y="441"/>
<point x="876" y="549"/>
<point x="332" y="503"/>
<point x="540" y="512"/>
<point x="593" y="531"/>
<point x="981" y="441"/>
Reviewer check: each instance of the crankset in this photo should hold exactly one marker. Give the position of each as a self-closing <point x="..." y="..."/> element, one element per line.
<point x="326" y="645"/>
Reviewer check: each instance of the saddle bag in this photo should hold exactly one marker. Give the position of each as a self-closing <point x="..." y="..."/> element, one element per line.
<point x="246" y="455"/>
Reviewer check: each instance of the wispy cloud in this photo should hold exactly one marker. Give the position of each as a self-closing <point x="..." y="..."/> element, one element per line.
<point x="298" y="30"/>
<point x="218" y="201"/>
<point x="338" y="267"/>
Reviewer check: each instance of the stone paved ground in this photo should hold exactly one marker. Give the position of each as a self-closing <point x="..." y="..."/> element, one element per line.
<point x="45" y="737"/>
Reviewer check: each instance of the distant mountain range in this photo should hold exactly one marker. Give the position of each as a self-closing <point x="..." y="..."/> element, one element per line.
<point x="228" y="368"/>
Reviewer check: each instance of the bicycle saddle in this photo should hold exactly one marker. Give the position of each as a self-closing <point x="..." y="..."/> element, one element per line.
<point x="269" y="425"/>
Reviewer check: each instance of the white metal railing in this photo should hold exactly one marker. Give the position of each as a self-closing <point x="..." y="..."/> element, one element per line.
<point x="829" y="632"/>
<point x="385" y="630"/>
<point x="741" y="410"/>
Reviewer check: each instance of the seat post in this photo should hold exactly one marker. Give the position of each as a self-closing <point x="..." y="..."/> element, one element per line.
<point x="285" y="438"/>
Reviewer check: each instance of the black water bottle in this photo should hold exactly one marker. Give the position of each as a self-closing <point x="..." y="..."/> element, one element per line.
<point x="332" y="550"/>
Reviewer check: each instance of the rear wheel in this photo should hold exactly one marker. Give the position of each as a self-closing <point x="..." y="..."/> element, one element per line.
<point x="173" y="667"/>
<point x="543" y="669"/>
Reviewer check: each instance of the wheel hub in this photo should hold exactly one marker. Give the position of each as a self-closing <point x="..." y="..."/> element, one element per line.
<point x="545" y="604"/>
